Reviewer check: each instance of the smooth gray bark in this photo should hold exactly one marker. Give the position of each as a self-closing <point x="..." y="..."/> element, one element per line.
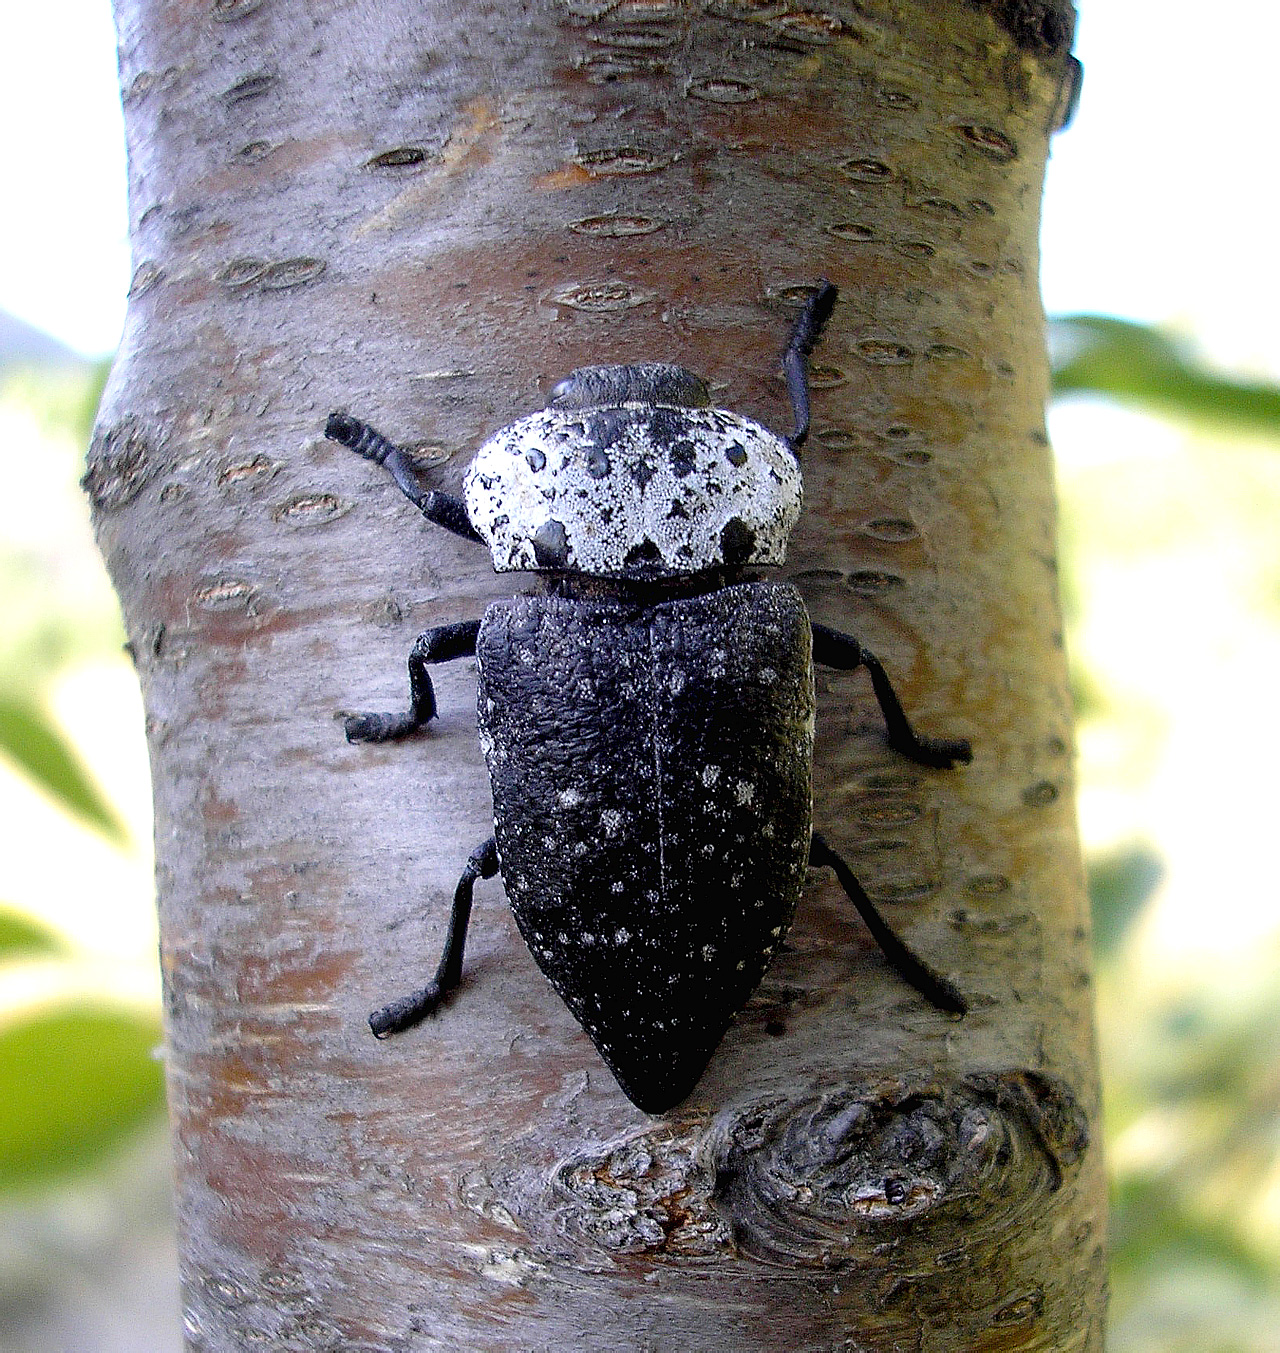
<point x="427" y="212"/>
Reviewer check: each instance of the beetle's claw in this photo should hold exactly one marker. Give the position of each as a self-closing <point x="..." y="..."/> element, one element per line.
<point x="406" y="1012"/>
<point x="944" y="753"/>
<point x="958" y="750"/>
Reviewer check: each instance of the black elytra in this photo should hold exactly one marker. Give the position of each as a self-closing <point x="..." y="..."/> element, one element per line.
<point x="646" y="714"/>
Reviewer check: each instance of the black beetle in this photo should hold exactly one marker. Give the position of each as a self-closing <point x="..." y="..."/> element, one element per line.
<point x="647" y="714"/>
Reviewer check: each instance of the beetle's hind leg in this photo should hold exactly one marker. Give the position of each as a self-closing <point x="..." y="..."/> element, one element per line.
<point x="931" y="985"/>
<point x="434" y="645"/>
<point x="843" y="651"/>
<point x="409" y="1010"/>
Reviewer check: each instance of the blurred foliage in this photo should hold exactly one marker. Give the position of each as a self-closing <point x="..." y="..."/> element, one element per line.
<point x="1121" y="884"/>
<point x="1191" y="1063"/>
<point x="32" y="742"/>
<point x="77" y="1080"/>
<point x="1146" y="367"/>
<point x="78" y="1072"/>
<point x="24" y="936"/>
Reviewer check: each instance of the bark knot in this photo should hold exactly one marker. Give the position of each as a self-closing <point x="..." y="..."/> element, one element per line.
<point x="827" y="1180"/>
<point x="120" y="464"/>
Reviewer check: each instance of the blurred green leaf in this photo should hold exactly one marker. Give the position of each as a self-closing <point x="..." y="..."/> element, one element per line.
<point x="28" y="738"/>
<point x="22" y="935"/>
<point x="1120" y="886"/>
<point x="1138" y="365"/>
<point x="74" y="1082"/>
<point x="1152" y="1225"/>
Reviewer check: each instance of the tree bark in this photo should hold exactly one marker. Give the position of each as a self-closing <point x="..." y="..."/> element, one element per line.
<point x="427" y="212"/>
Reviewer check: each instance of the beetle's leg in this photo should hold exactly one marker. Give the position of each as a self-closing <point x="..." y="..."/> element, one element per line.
<point x="442" y="508"/>
<point x="435" y="645"/>
<point x="409" y="1010"/>
<point x="931" y="985"/>
<point x="795" y="358"/>
<point x="843" y="651"/>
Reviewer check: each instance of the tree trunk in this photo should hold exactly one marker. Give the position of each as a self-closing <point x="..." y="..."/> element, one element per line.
<point x="427" y="212"/>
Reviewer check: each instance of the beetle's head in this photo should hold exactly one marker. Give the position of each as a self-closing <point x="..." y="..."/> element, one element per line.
<point x="591" y="387"/>
<point x="628" y="473"/>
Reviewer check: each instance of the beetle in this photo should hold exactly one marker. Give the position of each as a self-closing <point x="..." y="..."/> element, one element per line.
<point x="646" y="712"/>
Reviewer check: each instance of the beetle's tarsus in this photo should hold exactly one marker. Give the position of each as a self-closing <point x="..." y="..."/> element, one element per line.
<point x="940" y="753"/>
<point x="935" y="988"/>
<point x="381" y="727"/>
<point x="406" y="1012"/>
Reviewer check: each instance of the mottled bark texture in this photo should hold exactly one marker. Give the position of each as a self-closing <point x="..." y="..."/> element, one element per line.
<point x="427" y="212"/>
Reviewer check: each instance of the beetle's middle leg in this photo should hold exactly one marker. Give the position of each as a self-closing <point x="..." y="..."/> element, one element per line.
<point x="410" y="1010"/>
<point x="931" y="985"/>
<point x="844" y="652"/>
<point x="434" y="645"/>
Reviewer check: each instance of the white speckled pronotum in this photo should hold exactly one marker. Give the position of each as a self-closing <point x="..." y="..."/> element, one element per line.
<point x="612" y="490"/>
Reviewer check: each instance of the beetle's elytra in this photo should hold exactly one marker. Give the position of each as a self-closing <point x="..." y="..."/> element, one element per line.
<point x="646" y="714"/>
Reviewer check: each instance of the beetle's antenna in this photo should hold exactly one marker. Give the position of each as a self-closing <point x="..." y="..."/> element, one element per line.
<point x="441" y="508"/>
<point x="795" y="359"/>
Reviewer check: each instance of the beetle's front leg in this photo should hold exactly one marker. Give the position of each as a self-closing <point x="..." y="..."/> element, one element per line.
<point x="442" y="508"/>
<point x="434" y="645"/>
<point x="844" y="652"/>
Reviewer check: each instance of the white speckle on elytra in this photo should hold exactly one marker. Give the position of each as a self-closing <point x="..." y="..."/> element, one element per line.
<point x="744" y="791"/>
<point x="675" y="682"/>
<point x="622" y="936"/>
<point x="708" y="849"/>
<point x="777" y="930"/>
<point x="563" y="937"/>
<point x="579" y="847"/>
<point x="569" y="798"/>
<point x="611" y="821"/>
<point x="710" y="774"/>
<point x="617" y="887"/>
<point x="588" y="937"/>
<point x="768" y="675"/>
<point x="708" y="952"/>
